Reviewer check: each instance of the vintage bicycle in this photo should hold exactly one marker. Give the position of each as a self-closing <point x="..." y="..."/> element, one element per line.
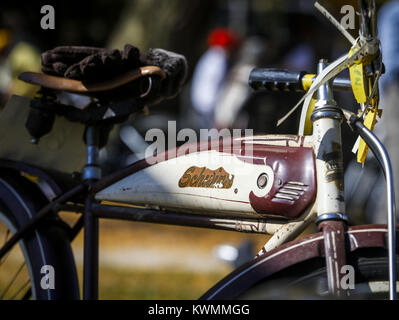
<point x="269" y="184"/>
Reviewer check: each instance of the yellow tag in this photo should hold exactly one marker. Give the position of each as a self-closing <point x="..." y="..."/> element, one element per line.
<point x="361" y="88"/>
<point x="357" y="76"/>
<point x="307" y="131"/>
<point x="30" y="177"/>
<point x="307" y="81"/>
<point x="369" y="122"/>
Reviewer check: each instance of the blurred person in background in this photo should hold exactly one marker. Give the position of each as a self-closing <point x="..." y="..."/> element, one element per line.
<point x="210" y="74"/>
<point x="219" y="88"/>
<point x="238" y="106"/>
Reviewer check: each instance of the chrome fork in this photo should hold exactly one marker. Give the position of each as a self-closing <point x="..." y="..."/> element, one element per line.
<point x="383" y="158"/>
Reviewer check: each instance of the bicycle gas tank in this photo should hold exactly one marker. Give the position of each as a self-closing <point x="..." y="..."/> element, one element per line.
<point x="257" y="176"/>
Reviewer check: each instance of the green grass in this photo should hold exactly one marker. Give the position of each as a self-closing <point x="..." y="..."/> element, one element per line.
<point x="154" y="285"/>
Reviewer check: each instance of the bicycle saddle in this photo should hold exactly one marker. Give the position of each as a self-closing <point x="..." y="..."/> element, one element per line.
<point x="89" y="87"/>
<point x="101" y="73"/>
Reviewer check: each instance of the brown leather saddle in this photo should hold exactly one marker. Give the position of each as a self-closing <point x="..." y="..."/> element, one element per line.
<point x="117" y="98"/>
<point x="89" y="88"/>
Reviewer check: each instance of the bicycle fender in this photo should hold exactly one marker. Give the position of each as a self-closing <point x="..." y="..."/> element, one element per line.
<point x="288" y="255"/>
<point x="50" y="184"/>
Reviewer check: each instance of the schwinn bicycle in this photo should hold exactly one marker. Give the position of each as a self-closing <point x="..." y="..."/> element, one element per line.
<point x="270" y="184"/>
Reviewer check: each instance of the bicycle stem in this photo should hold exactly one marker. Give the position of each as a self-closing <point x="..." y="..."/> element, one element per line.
<point x="327" y="118"/>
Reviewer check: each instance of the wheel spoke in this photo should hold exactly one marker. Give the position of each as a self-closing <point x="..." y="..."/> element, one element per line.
<point x="8" y="253"/>
<point x="6" y="237"/>
<point x="28" y="292"/>
<point x="20" y="289"/>
<point x="12" y="280"/>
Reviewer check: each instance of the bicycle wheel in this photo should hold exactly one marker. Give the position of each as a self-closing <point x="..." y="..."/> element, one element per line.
<point x="308" y="280"/>
<point x="42" y="265"/>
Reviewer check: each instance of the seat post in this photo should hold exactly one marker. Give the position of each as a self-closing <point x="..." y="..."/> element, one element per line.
<point x="91" y="173"/>
<point x="92" y="170"/>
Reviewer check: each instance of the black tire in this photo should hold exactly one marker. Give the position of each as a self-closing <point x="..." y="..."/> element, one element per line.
<point x="20" y="200"/>
<point x="308" y="280"/>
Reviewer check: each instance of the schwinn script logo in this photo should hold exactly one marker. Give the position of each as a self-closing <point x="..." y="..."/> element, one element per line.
<point x="196" y="177"/>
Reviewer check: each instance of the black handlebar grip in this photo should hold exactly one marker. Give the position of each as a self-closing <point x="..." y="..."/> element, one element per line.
<point x="272" y="79"/>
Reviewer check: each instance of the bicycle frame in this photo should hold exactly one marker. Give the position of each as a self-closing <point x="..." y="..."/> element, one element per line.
<point x="320" y="157"/>
<point x="322" y="150"/>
